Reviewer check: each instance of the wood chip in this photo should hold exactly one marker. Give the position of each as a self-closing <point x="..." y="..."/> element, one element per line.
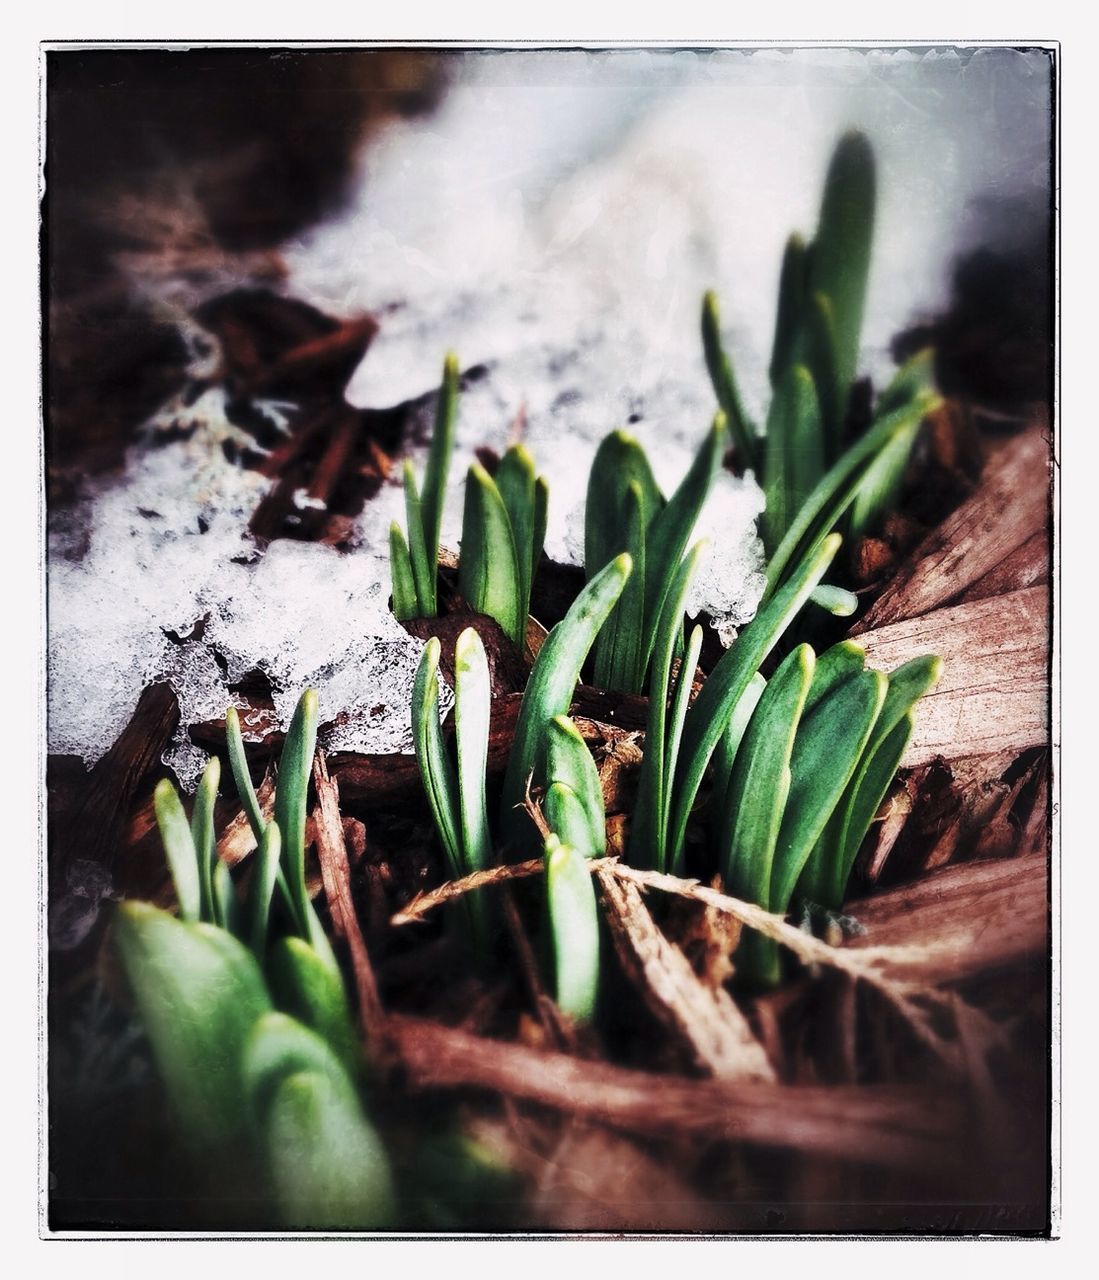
<point x="1011" y="505"/>
<point x="994" y="692"/>
<point x="961" y="921"/>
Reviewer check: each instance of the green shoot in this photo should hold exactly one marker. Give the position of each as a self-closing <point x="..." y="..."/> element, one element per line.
<point x="626" y="512"/>
<point x="325" y="1163"/>
<point x="551" y="685"/>
<point x="812" y="479"/>
<point x="818" y="755"/>
<point x="457" y="797"/>
<point x="414" y="563"/>
<point x="578" y="801"/>
<point x="254" y="1092"/>
<point x="574" y="929"/>
<point x="503" y="530"/>
<point x="199" y="993"/>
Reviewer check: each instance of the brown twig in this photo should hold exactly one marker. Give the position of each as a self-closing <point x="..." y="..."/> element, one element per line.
<point x="336" y="873"/>
<point x="422" y="904"/>
<point x="898" y="1126"/>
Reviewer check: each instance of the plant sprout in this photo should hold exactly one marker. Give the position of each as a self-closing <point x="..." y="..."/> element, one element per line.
<point x="457" y="797"/>
<point x="256" y="1094"/>
<point x="503" y="532"/>
<point x="503" y="529"/>
<point x="574" y="929"/>
<point x="300" y="967"/>
<point x="551" y="686"/>
<point x="679" y="749"/>
<point x="812" y="475"/>
<point x="626" y="511"/>
<point x="414" y="564"/>
<point x="815" y="762"/>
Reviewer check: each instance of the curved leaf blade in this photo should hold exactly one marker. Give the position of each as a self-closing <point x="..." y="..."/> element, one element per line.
<point x="756" y="796"/>
<point x="709" y="717"/>
<point x="826" y="753"/>
<point x="405" y="601"/>
<point x="574" y="924"/>
<point x="179" y="849"/>
<point x="488" y="570"/>
<point x="552" y="683"/>
<point x="435" y="769"/>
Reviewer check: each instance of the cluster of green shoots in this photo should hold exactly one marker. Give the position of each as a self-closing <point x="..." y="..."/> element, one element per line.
<point x="814" y="476"/>
<point x="776" y="781"/>
<point x="503" y="529"/>
<point x="246" y="1011"/>
<point x="788" y="773"/>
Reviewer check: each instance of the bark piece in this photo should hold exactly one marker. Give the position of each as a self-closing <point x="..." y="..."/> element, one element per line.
<point x="1011" y="505"/>
<point x="994" y="692"/>
<point x="965" y="920"/>
<point x="704" y="1020"/>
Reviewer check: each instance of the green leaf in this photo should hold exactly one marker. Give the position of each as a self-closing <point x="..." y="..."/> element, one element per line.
<point x="789" y="315"/>
<point x="226" y="907"/>
<point x="238" y="763"/>
<point x="709" y="716"/>
<point x="515" y="480"/>
<point x="202" y="834"/>
<point x="824" y="880"/>
<point x="199" y="993"/>
<point x="291" y="796"/>
<point x="678" y="713"/>
<point x="839" y="258"/>
<point x="619" y="462"/>
<point x="671" y="529"/>
<point x="829" y="743"/>
<point x="619" y="646"/>
<point x="264" y="875"/>
<point x="488" y="570"/>
<point x="570" y="820"/>
<point x="438" y="465"/>
<point x="728" y="746"/>
<point x="541" y="517"/>
<point x="622" y="500"/>
<point x="472" y="700"/>
<point x="839" y="602"/>
<point x="304" y="986"/>
<point x="720" y="368"/>
<point x="820" y="356"/>
<point x="423" y="571"/>
<point x="793" y="460"/>
<point x="835" y="666"/>
<point x="648" y="829"/>
<point x="569" y="761"/>
<point x="574" y="924"/>
<point x="756" y="796"/>
<point x="880" y="485"/>
<point x="914" y="378"/>
<point x="552" y="683"/>
<point x="179" y="848"/>
<point x="405" y="601"/>
<point x="435" y="769"/>
<point x="327" y="1166"/>
<point x="836" y="491"/>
